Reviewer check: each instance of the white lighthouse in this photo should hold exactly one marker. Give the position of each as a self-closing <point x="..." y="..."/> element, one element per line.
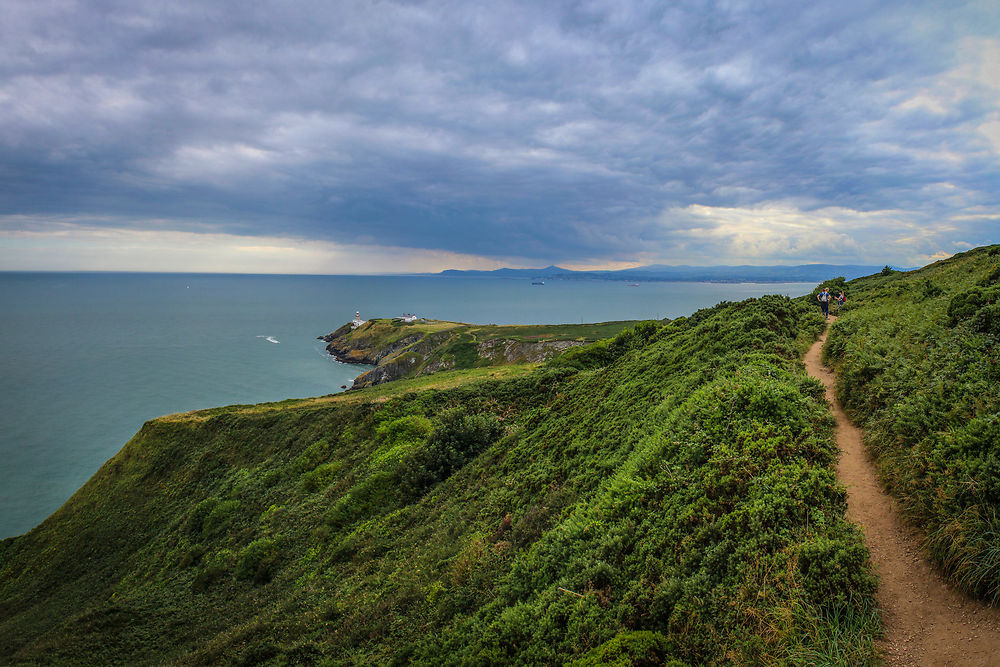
<point x="357" y="320"/>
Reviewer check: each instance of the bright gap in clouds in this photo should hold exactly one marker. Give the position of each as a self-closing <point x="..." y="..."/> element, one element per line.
<point x="80" y="248"/>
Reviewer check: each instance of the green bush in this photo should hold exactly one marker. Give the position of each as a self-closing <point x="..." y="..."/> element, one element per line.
<point x="929" y="290"/>
<point x="987" y="320"/>
<point x="965" y="304"/>
<point x="320" y="477"/>
<point x="258" y="561"/>
<point x="396" y="437"/>
<point x="213" y="568"/>
<point x="835" y="572"/>
<point x="459" y="437"/>
<point x="210" y="516"/>
<point x="631" y="649"/>
<point x="314" y="454"/>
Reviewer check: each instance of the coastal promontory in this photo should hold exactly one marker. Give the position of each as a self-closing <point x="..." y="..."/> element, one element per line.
<point x="402" y="348"/>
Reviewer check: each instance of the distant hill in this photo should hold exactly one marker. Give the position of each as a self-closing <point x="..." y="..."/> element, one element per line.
<point x="662" y="272"/>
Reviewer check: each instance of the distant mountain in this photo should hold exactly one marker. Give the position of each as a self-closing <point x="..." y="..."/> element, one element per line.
<point x="663" y="272"/>
<point x="547" y="272"/>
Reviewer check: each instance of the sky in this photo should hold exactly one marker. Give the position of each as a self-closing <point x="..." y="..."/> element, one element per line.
<point x="388" y="137"/>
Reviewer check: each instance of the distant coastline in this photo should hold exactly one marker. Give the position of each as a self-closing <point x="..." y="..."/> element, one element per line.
<point x="698" y="274"/>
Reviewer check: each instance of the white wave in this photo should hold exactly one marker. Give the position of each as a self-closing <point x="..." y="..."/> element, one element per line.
<point x="270" y="339"/>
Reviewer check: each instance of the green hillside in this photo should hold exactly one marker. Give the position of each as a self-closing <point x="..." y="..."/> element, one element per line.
<point x="665" y="495"/>
<point x="918" y="359"/>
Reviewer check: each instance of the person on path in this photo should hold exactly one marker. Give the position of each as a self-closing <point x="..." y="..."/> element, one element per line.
<point x="824" y="301"/>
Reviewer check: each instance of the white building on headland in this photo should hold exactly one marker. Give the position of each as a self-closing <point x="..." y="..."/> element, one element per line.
<point x="357" y="320"/>
<point x="408" y="317"/>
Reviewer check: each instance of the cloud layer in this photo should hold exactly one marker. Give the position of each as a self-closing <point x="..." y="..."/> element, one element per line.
<point x="504" y="132"/>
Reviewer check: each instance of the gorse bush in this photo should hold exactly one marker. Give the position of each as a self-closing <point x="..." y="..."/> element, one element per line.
<point x="460" y="437"/>
<point x="663" y="496"/>
<point x="918" y="360"/>
<point x="631" y="648"/>
<point x="258" y="560"/>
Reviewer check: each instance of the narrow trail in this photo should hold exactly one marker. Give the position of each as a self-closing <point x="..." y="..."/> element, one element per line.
<point x="927" y="621"/>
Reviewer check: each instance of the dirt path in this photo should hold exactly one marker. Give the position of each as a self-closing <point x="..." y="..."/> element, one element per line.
<point x="927" y="621"/>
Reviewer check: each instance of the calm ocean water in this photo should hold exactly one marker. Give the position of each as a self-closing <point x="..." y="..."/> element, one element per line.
<point x="87" y="358"/>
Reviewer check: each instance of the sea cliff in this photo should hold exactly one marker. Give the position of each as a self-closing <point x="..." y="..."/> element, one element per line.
<point x="400" y="349"/>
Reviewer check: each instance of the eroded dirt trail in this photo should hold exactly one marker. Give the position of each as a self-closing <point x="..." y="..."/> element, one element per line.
<point x="928" y="622"/>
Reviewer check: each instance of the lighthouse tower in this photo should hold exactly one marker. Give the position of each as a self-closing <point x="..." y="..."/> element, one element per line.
<point x="357" y="320"/>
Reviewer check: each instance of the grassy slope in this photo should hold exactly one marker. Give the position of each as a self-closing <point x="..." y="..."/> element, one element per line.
<point x="678" y="480"/>
<point x="918" y="356"/>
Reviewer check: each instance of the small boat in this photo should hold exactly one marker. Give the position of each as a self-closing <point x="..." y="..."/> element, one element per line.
<point x="633" y="284"/>
<point x="538" y="282"/>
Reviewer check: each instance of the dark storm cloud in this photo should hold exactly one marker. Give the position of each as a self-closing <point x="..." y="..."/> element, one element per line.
<point x="545" y="131"/>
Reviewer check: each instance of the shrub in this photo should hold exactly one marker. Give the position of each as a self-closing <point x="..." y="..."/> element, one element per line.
<point x="320" y="477"/>
<point x="258" y="560"/>
<point x="964" y="305"/>
<point x="196" y="519"/>
<point x="313" y="455"/>
<point x="987" y="320"/>
<point x="929" y="290"/>
<point x="210" y="515"/>
<point x="834" y="571"/>
<point x="220" y="516"/>
<point x="460" y="437"/>
<point x="630" y="649"/>
<point x="213" y="567"/>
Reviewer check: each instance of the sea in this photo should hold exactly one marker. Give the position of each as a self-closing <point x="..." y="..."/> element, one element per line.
<point x="87" y="358"/>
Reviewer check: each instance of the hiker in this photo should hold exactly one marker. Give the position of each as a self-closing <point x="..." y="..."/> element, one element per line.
<point x="824" y="301"/>
<point x="841" y="299"/>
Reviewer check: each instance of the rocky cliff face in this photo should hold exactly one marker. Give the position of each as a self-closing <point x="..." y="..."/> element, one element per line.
<point x="523" y="352"/>
<point x="364" y="349"/>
